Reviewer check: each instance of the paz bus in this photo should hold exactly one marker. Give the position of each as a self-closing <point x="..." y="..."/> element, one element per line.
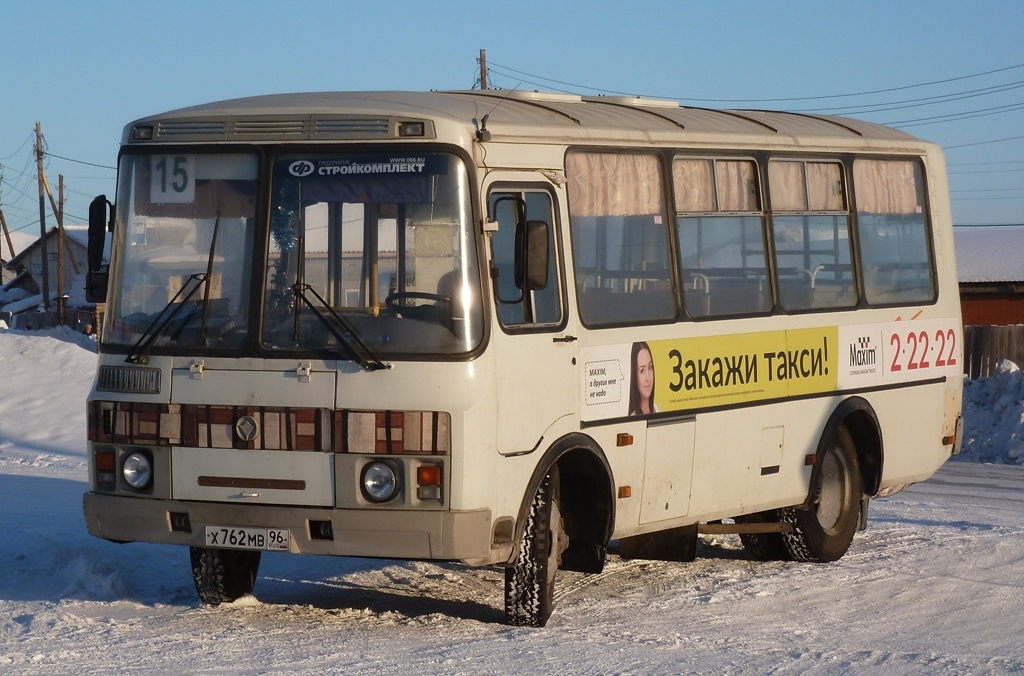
<point x="515" y="329"/>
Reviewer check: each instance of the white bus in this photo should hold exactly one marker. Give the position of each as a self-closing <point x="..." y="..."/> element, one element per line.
<point x="514" y="328"/>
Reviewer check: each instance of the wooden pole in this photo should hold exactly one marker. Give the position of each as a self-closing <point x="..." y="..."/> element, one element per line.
<point x="61" y="243"/>
<point x="7" y="233"/>
<point x="58" y="213"/>
<point x="42" y="218"/>
<point x="483" y="69"/>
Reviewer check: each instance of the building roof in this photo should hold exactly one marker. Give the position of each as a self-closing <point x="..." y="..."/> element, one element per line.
<point x="78" y="234"/>
<point x="989" y="253"/>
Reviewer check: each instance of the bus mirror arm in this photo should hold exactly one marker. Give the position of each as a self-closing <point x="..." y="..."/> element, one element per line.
<point x="97" y="275"/>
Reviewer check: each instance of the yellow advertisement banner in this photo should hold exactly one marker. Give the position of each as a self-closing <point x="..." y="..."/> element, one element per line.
<point x="721" y="370"/>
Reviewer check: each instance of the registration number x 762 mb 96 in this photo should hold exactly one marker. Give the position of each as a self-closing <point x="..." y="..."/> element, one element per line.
<point x="231" y="537"/>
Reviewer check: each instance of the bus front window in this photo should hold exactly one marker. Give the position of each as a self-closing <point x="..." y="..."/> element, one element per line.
<point x="375" y="250"/>
<point x="183" y="251"/>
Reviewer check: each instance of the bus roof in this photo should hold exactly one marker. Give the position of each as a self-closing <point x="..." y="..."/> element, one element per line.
<point x="512" y="115"/>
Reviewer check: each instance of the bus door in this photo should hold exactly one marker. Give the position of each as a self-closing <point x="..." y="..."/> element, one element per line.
<point x="535" y="347"/>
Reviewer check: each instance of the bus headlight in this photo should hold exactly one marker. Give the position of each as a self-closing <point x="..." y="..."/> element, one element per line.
<point x="379" y="482"/>
<point x="137" y="470"/>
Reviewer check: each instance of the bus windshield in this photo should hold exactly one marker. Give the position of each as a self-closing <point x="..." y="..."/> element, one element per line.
<point x="184" y="249"/>
<point x="371" y="252"/>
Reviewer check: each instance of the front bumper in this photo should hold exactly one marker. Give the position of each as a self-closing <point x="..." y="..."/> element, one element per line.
<point x="377" y="533"/>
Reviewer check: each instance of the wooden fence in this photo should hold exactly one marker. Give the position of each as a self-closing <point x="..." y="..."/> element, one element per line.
<point x="986" y="346"/>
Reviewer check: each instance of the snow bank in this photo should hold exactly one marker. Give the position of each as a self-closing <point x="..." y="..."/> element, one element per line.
<point x="994" y="417"/>
<point x="45" y="377"/>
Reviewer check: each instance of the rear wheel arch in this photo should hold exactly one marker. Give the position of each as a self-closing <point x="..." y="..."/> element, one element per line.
<point x="858" y="417"/>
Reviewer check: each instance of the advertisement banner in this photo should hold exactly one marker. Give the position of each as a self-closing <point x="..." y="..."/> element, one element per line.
<point x="680" y="374"/>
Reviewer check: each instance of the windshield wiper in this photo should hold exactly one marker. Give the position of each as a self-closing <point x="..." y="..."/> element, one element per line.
<point x="358" y="348"/>
<point x="137" y="355"/>
<point x="157" y="328"/>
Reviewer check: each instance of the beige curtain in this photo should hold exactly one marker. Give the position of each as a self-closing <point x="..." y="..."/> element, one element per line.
<point x="886" y="187"/>
<point x="786" y="181"/>
<point x="613" y="184"/>
<point x="695" y="191"/>
<point x="824" y="186"/>
<point x="736" y="185"/>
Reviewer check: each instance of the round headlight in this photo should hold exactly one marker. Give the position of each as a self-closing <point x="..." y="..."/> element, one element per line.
<point x="137" y="470"/>
<point x="380" y="482"/>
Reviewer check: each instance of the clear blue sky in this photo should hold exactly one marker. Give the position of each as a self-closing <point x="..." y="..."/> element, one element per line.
<point x="85" y="69"/>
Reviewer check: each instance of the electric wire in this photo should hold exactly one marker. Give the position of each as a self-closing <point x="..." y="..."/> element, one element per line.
<point x="491" y="64"/>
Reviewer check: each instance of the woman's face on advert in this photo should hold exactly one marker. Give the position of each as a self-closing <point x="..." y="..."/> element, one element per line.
<point x="644" y="373"/>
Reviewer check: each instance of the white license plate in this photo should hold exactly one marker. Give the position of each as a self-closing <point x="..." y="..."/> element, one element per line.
<point x="233" y="537"/>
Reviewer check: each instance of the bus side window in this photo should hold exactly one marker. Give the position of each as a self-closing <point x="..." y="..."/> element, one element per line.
<point x="517" y="308"/>
<point x="893" y="232"/>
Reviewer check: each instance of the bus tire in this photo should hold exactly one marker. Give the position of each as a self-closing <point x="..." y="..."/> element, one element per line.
<point x="223" y="575"/>
<point x="764" y="546"/>
<point x="530" y="577"/>
<point x="823" y="531"/>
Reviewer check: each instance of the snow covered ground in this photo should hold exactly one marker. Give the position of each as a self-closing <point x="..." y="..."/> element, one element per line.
<point x="935" y="584"/>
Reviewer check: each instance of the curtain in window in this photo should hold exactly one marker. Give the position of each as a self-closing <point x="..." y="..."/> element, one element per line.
<point x="736" y="186"/>
<point x="786" y="180"/>
<point x="613" y="184"/>
<point x="695" y="190"/>
<point x="824" y="186"/>
<point x="886" y="187"/>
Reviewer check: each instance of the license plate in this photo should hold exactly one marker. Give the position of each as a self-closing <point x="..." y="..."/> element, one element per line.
<point x="233" y="537"/>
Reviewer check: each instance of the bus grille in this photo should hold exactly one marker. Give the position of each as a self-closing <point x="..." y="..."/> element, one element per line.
<point x="270" y="128"/>
<point x="178" y="128"/>
<point x="352" y="127"/>
<point x="128" y="379"/>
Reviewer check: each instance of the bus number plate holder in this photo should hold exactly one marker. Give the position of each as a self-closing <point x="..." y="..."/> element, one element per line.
<point x="234" y="537"/>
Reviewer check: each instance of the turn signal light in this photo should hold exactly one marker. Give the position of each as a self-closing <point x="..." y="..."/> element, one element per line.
<point x="428" y="475"/>
<point x="105" y="461"/>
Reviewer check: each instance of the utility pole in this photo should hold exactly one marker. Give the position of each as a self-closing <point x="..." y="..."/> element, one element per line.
<point x="7" y="233"/>
<point x="3" y="221"/>
<point x="483" y="69"/>
<point x="42" y="218"/>
<point x="58" y="213"/>
<point x="62" y="302"/>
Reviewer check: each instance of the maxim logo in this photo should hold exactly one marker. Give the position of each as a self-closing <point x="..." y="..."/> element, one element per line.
<point x="863" y="353"/>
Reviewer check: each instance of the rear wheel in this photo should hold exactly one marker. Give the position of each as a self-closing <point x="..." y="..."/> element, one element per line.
<point x="764" y="546"/>
<point x="223" y="575"/>
<point x="530" y="577"/>
<point x="825" y="530"/>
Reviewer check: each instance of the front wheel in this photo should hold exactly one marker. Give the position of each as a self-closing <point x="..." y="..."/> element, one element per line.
<point x="824" y="531"/>
<point x="223" y="575"/>
<point x="530" y="577"/>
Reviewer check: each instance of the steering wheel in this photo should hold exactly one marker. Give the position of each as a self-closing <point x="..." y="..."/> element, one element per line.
<point x="392" y="300"/>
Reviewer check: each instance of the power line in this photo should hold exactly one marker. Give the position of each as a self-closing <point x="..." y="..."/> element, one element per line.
<point x="492" y="64"/>
<point x="954" y="117"/>
<point x="981" y="143"/>
<point x="986" y="171"/>
<point x="982" y="164"/>
<point x="988" y="190"/>
<point x="918" y="103"/>
<point x="27" y="140"/>
<point x="101" y="166"/>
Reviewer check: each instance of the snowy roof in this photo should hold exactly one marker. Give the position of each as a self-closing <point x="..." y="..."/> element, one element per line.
<point x="989" y="253"/>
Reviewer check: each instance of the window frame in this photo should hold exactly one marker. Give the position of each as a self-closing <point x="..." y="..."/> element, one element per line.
<point x="665" y="205"/>
<point x="740" y="155"/>
<point x="929" y="230"/>
<point x="555" y="252"/>
<point x="845" y="176"/>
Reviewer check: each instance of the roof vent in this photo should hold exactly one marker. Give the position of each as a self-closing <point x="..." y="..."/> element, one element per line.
<point x="638" y="101"/>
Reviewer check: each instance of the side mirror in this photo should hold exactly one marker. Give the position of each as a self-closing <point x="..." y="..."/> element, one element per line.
<point x="532" y="240"/>
<point x="96" y="278"/>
